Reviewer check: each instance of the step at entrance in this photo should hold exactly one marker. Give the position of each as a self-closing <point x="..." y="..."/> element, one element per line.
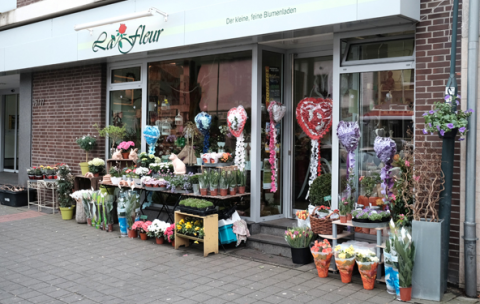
<point x="268" y="237"/>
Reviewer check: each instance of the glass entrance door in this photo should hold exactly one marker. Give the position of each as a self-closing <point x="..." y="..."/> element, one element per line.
<point x="312" y="78"/>
<point x="10" y="133"/>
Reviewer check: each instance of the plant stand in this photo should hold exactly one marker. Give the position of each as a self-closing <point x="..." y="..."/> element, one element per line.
<point x="42" y="187"/>
<point x="210" y="227"/>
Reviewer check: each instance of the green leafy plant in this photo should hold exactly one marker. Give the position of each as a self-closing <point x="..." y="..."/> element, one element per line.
<point x="446" y="116"/>
<point x="113" y="132"/>
<point x="232" y="179"/>
<point x="115" y="172"/>
<point x="369" y="183"/>
<point x="213" y="178"/>
<point x="87" y="143"/>
<point x="194" y="179"/>
<point x="203" y="180"/>
<point x="321" y="188"/>
<point x="65" y="186"/>
<point x="224" y="180"/>
<point x="241" y="178"/>
<point x="406" y="257"/>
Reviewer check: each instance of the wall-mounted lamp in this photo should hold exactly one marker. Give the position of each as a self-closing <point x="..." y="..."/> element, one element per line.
<point x="148" y="13"/>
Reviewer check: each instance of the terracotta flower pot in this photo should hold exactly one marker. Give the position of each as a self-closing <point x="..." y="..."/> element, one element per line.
<point x="132" y="234"/>
<point x="373" y="200"/>
<point x="203" y="191"/>
<point x="233" y="191"/>
<point x="322" y="262"/>
<point x="241" y="190"/>
<point x="363" y="200"/>
<point x="366" y="230"/>
<point x="406" y="293"/>
<point x="159" y="241"/>
<point x="125" y="155"/>
<point x="223" y="192"/>
<point x="89" y="222"/>
<point x="343" y="218"/>
<point x="173" y="243"/>
<point x="349" y="216"/>
<point x="368" y="272"/>
<point x="214" y="192"/>
<point x="143" y="236"/>
<point x="96" y="174"/>
<point x="110" y="228"/>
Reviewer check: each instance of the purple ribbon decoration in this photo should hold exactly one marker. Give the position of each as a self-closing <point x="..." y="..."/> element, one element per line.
<point x="385" y="149"/>
<point x="349" y="135"/>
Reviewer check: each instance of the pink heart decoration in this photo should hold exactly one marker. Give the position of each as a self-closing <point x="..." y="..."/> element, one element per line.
<point x="314" y="115"/>
<point x="236" y="126"/>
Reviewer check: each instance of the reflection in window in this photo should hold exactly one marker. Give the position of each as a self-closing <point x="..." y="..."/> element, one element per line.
<point x="180" y="89"/>
<point x="381" y="49"/>
<point x="126" y="75"/>
<point x="382" y="103"/>
<point x="126" y="109"/>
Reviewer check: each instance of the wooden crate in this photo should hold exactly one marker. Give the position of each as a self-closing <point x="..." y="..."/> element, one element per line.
<point x="120" y="163"/>
<point x="210" y="227"/>
<point x="86" y="183"/>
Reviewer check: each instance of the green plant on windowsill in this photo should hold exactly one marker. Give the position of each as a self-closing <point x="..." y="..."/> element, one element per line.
<point x="321" y="188"/>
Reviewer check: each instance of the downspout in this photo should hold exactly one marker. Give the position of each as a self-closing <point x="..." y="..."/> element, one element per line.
<point x="469" y="226"/>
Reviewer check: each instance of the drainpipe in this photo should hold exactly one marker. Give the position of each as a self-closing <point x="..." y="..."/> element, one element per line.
<point x="470" y="238"/>
<point x="448" y="149"/>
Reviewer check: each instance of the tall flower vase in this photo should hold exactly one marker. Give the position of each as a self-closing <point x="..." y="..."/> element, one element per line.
<point x="368" y="272"/>
<point x="345" y="267"/>
<point x="322" y="262"/>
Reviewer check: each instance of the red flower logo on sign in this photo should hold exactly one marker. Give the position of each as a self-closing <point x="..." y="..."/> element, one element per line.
<point x="122" y="28"/>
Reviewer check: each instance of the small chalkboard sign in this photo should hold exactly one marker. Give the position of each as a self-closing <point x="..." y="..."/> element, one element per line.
<point x="143" y="217"/>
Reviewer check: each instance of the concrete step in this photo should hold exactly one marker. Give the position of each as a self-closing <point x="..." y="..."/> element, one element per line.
<point x="270" y="244"/>
<point x="277" y="227"/>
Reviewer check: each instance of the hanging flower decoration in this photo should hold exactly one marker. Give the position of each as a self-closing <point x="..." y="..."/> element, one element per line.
<point x="385" y="149"/>
<point x="236" y="119"/>
<point x="276" y="111"/>
<point x="203" y="121"/>
<point x="151" y="134"/>
<point x="349" y="135"/>
<point x="314" y="115"/>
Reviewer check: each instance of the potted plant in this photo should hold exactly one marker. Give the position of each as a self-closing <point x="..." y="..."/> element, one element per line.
<point x="223" y="183"/>
<point x="49" y="172"/>
<point x="226" y="158"/>
<point x="242" y="181"/>
<point x="108" y="201"/>
<point x="320" y="191"/>
<point x="369" y="215"/>
<point x="126" y="146"/>
<point x="367" y="263"/>
<point x="38" y="173"/>
<point x="170" y="234"/>
<point x="145" y="159"/>
<point x="344" y="209"/>
<point x="391" y="263"/>
<point x="404" y="245"/>
<point x="87" y="143"/>
<point x="345" y="261"/>
<point x="157" y="230"/>
<point x="224" y="131"/>
<point x="31" y="173"/>
<point x="96" y="166"/>
<point x="64" y="189"/>
<point x="232" y="182"/>
<point x="203" y="183"/>
<point x="369" y="186"/>
<point x="86" y="201"/>
<point x="322" y="256"/>
<point x="114" y="133"/>
<point x="299" y="240"/>
<point x="213" y="178"/>
<point x="194" y="181"/>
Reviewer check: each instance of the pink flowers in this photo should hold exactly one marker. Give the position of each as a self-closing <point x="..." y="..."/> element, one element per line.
<point x="126" y="145"/>
<point x="361" y="178"/>
<point x="141" y="226"/>
<point x="170" y="233"/>
<point x="407" y="163"/>
<point x="416" y="178"/>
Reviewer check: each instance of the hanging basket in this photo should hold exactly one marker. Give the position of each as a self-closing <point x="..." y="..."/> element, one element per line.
<point x="323" y="225"/>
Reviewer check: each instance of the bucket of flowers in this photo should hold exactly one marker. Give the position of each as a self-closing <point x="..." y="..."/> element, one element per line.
<point x="299" y="240"/>
<point x="322" y="256"/>
<point x="367" y="263"/>
<point x="345" y="261"/>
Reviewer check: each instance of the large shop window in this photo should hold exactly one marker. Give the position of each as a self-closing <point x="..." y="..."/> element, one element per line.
<point x="126" y="109"/>
<point x="180" y="89"/>
<point x="382" y="103"/>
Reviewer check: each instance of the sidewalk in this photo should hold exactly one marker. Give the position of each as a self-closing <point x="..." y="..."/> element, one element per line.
<point x="47" y="260"/>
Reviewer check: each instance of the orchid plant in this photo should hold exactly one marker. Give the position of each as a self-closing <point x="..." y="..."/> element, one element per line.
<point x="445" y="117"/>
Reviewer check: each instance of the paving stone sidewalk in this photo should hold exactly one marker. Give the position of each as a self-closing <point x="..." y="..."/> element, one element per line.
<point x="44" y="259"/>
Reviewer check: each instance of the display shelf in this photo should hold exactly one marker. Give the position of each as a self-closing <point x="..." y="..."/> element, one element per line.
<point x="210" y="227"/>
<point x="352" y="224"/>
<point x="339" y="236"/>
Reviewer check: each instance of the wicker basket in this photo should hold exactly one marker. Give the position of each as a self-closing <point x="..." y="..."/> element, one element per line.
<point x="323" y="225"/>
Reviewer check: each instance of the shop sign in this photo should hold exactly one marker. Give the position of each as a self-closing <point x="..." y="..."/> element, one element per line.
<point x="125" y="42"/>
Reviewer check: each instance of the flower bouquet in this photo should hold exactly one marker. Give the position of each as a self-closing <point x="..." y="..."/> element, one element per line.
<point x="299" y="240"/>
<point x="157" y="230"/>
<point x="226" y="158"/>
<point x="345" y="260"/>
<point x="322" y="256"/>
<point x="96" y="166"/>
<point x="367" y="263"/>
<point x="302" y="218"/>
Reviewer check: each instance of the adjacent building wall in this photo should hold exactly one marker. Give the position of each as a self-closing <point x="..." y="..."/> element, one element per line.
<point x="433" y="34"/>
<point x="74" y="101"/>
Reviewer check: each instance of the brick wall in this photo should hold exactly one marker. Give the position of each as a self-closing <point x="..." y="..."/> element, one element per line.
<point x="433" y="35"/>
<point x="21" y="3"/>
<point x="74" y="100"/>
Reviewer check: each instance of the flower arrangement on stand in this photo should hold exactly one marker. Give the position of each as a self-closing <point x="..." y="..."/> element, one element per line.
<point x="322" y="256"/>
<point x="345" y="261"/>
<point x="299" y="239"/>
<point x="96" y="166"/>
<point x="367" y="263"/>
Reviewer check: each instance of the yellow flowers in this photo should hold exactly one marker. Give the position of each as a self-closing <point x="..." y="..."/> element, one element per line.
<point x="338" y="248"/>
<point x="196" y="229"/>
<point x="347" y="253"/>
<point x="179" y="227"/>
<point x="341" y="255"/>
<point x="191" y="226"/>
<point x="181" y="222"/>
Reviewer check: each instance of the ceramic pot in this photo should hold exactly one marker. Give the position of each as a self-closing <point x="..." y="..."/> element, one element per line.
<point x="159" y="241"/>
<point x="214" y="192"/>
<point x="223" y="192"/>
<point x="373" y="200"/>
<point x="38" y="177"/>
<point x="31" y="177"/>
<point x="406" y="293"/>
<point x="125" y="155"/>
<point x="241" y="190"/>
<point x="362" y="200"/>
<point x="233" y="191"/>
<point x="143" y="236"/>
<point x="67" y="212"/>
<point x="132" y="234"/>
<point x="203" y="191"/>
<point x="343" y="218"/>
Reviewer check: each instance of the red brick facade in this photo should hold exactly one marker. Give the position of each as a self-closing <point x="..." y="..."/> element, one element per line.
<point x="21" y="3"/>
<point x="74" y="101"/>
<point x="433" y="35"/>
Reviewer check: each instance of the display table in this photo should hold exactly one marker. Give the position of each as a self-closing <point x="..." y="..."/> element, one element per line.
<point x="379" y="227"/>
<point x="210" y="227"/>
<point x="42" y="187"/>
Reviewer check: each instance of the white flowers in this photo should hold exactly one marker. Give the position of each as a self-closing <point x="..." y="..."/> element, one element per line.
<point x="97" y="162"/>
<point x="158" y="228"/>
<point x="141" y="171"/>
